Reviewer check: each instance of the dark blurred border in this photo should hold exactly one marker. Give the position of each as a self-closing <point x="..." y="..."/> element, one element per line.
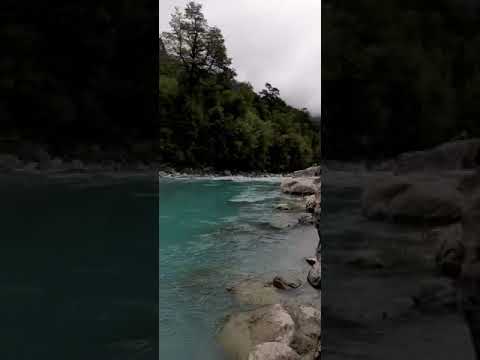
<point x="79" y="239"/>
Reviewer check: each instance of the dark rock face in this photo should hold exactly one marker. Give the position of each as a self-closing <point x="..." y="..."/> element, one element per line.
<point x="436" y="295"/>
<point x="450" y="251"/>
<point x="314" y="276"/>
<point x="415" y="200"/>
<point x="454" y="155"/>
<point x="367" y="259"/>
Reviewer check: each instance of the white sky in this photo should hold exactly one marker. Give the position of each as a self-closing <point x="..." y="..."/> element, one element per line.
<point x="275" y="41"/>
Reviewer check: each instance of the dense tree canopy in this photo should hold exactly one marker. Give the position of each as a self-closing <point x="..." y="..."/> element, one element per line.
<point x="207" y="118"/>
<point x="398" y="75"/>
<point x="74" y="76"/>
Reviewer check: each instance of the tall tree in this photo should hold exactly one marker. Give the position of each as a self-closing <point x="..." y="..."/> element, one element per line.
<point x="199" y="47"/>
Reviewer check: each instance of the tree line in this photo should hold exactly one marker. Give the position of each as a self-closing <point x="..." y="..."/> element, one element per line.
<point x="398" y="75"/>
<point x="80" y="80"/>
<point x="208" y="118"/>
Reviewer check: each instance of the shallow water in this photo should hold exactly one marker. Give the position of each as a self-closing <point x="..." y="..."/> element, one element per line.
<point x="213" y="233"/>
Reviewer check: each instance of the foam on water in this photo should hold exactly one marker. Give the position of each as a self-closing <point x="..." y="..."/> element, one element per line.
<point x="254" y="194"/>
<point x="233" y="178"/>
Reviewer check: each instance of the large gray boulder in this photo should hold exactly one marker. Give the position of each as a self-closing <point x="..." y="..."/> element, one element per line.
<point x="413" y="200"/>
<point x="244" y="331"/>
<point x="378" y="195"/>
<point x="273" y="351"/>
<point x="428" y="202"/>
<point x="306" y="339"/>
<point x="436" y="295"/>
<point x="309" y="172"/>
<point x="450" y="252"/>
<point x="454" y="155"/>
<point x="9" y="162"/>
<point x="273" y="332"/>
<point x="314" y="276"/>
<point x="254" y="292"/>
<point x="299" y="186"/>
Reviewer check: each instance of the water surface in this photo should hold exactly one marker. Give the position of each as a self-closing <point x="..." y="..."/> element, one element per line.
<point x="213" y="233"/>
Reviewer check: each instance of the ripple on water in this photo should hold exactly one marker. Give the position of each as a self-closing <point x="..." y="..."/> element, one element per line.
<point x="214" y="242"/>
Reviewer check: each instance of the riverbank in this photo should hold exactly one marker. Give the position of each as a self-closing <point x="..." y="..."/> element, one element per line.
<point x="283" y="320"/>
<point x="382" y="295"/>
<point x="57" y="167"/>
<point x="222" y="254"/>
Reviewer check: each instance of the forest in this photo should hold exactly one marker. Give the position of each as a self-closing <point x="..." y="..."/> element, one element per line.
<point x="208" y="118"/>
<point x="79" y="81"/>
<point x="398" y="75"/>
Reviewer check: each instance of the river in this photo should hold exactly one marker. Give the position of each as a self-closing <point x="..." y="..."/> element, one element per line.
<point x="214" y="233"/>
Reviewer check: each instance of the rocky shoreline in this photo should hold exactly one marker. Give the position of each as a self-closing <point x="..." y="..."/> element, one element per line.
<point x="41" y="163"/>
<point x="436" y="192"/>
<point x="408" y="252"/>
<point x="276" y="328"/>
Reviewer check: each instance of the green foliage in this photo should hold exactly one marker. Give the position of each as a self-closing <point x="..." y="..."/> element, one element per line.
<point x="210" y="119"/>
<point x="397" y="75"/>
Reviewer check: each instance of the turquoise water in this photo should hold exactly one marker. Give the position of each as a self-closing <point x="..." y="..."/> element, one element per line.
<point x="212" y="233"/>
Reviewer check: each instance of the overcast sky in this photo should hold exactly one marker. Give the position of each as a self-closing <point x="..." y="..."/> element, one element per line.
<point x="276" y="41"/>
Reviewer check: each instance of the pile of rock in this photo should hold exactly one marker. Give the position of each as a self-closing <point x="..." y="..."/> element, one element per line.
<point x="438" y="189"/>
<point x="274" y="332"/>
<point x="413" y="199"/>
<point x="278" y="331"/>
<point x="299" y="186"/>
<point x="454" y="155"/>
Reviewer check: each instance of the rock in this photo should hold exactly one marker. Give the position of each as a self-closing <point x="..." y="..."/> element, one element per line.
<point x="282" y="206"/>
<point x="470" y="183"/>
<point x="306" y="339"/>
<point x="450" y="251"/>
<point x="310" y="202"/>
<point x="306" y="219"/>
<point x="378" y="195"/>
<point x="30" y="166"/>
<point x="34" y="153"/>
<point x="454" y="155"/>
<point x="413" y="200"/>
<point x="436" y="295"/>
<point x="314" y="276"/>
<point x="56" y="163"/>
<point x="282" y="221"/>
<point x="298" y="186"/>
<point x="280" y="283"/>
<point x="77" y="165"/>
<point x="273" y="351"/>
<point x="9" y="162"/>
<point x="366" y="260"/>
<point x="309" y="172"/>
<point x="432" y="202"/>
<point x="387" y="165"/>
<point x="470" y="238"/>
<point x="254" y="292"/>
<point x="244" y="331"/>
